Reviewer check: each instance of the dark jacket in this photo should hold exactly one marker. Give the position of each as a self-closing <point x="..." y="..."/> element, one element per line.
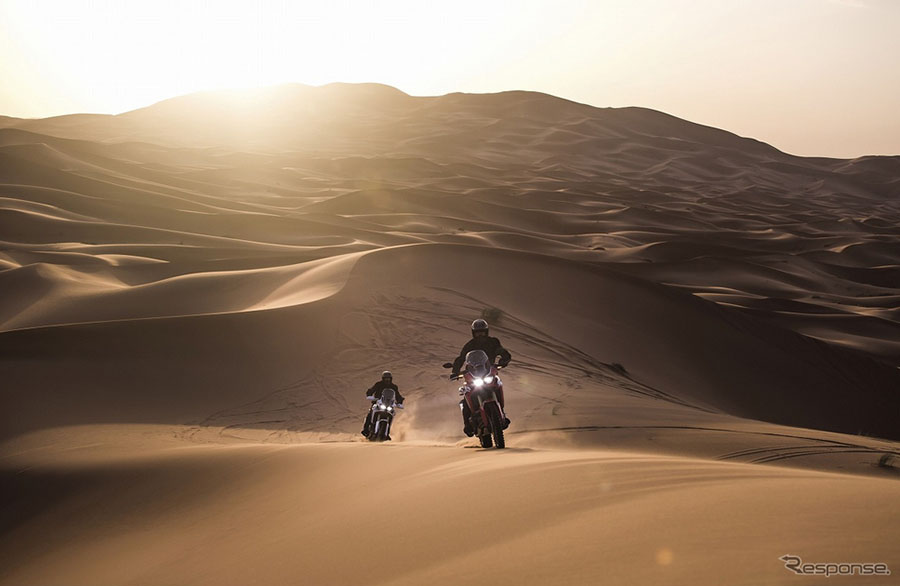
<point x="491" y="347"/>
<point x="376" y="389"/>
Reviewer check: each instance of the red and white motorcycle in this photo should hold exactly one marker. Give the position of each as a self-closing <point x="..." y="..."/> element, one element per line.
<point x="482" y="391"/>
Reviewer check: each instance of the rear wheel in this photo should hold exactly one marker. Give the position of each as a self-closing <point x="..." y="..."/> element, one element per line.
<point x="496" y="425"/>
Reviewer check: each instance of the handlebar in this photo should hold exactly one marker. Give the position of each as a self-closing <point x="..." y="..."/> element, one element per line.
<point x="461" y="375"/>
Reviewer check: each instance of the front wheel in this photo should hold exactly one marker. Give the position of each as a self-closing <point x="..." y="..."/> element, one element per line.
<point x="496" y="425"/>
<point x="381" y="429"/>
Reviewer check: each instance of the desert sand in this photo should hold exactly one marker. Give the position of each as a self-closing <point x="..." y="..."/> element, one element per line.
<point x="194" y="297"/>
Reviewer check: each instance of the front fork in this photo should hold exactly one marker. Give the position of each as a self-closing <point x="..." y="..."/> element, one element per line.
<point x="497" y="397"/>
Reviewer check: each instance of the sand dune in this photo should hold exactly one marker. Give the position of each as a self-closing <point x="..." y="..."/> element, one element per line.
<point x="607" y="516"/>
<point x="194" y="295"/>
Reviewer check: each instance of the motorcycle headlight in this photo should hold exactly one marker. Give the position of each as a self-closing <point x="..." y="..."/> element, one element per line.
<point x="488" y="379"/>
<point x="478" y="382"/>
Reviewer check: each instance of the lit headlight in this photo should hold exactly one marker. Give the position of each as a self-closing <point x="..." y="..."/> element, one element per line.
<point x="478" y="382"/>
<point x="382" y="407"/>
<point x="488" y="379"/>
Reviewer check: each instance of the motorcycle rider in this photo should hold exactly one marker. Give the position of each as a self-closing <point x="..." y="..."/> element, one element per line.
<point x="374" y="392"/>
<point x="481" y="340"/>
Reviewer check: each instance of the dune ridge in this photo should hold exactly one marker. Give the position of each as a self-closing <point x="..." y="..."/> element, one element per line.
<point x="659" y="197"/>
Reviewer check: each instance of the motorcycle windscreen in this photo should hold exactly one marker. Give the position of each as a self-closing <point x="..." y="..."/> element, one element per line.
<point x="388" y="397"/>
<point x="477" y="363"/>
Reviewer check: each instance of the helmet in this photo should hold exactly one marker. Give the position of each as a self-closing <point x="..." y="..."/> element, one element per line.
<point x="387" y="375"/>
<point x="479" y="325"/>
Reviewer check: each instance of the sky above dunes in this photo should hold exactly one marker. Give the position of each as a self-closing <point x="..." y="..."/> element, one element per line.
<point x="811" y="77"/>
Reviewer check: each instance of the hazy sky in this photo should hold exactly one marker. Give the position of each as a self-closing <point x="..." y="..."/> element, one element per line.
<point x="811" y="77"/>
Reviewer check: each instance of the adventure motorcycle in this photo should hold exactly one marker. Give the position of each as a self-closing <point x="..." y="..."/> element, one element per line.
<point x="483" y="393"/>
<point x="383" y="410"/>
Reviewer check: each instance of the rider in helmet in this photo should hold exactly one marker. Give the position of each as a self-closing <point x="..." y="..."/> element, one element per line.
<point x="374" y="392"/>
<point x="481" y="340"/>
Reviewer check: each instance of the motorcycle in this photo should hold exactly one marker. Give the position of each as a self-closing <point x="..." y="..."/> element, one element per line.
<point x="482" y="391"/>
<point x="383" y="410"/>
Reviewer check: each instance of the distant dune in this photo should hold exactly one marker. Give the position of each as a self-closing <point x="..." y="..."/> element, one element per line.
<point x="189" y="289"/>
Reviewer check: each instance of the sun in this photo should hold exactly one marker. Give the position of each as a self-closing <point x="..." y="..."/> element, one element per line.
<point x="124" y="55"/>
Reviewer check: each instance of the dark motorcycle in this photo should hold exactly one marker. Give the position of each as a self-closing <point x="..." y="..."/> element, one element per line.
<point x="383" y="410"/>
<point x="482" y="391"/>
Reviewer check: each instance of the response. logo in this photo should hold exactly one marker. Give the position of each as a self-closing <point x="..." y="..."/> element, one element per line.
<point x="829" y="569"/>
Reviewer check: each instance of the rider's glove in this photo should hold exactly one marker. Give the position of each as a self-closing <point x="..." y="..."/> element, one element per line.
<point x="503" y="363"/>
